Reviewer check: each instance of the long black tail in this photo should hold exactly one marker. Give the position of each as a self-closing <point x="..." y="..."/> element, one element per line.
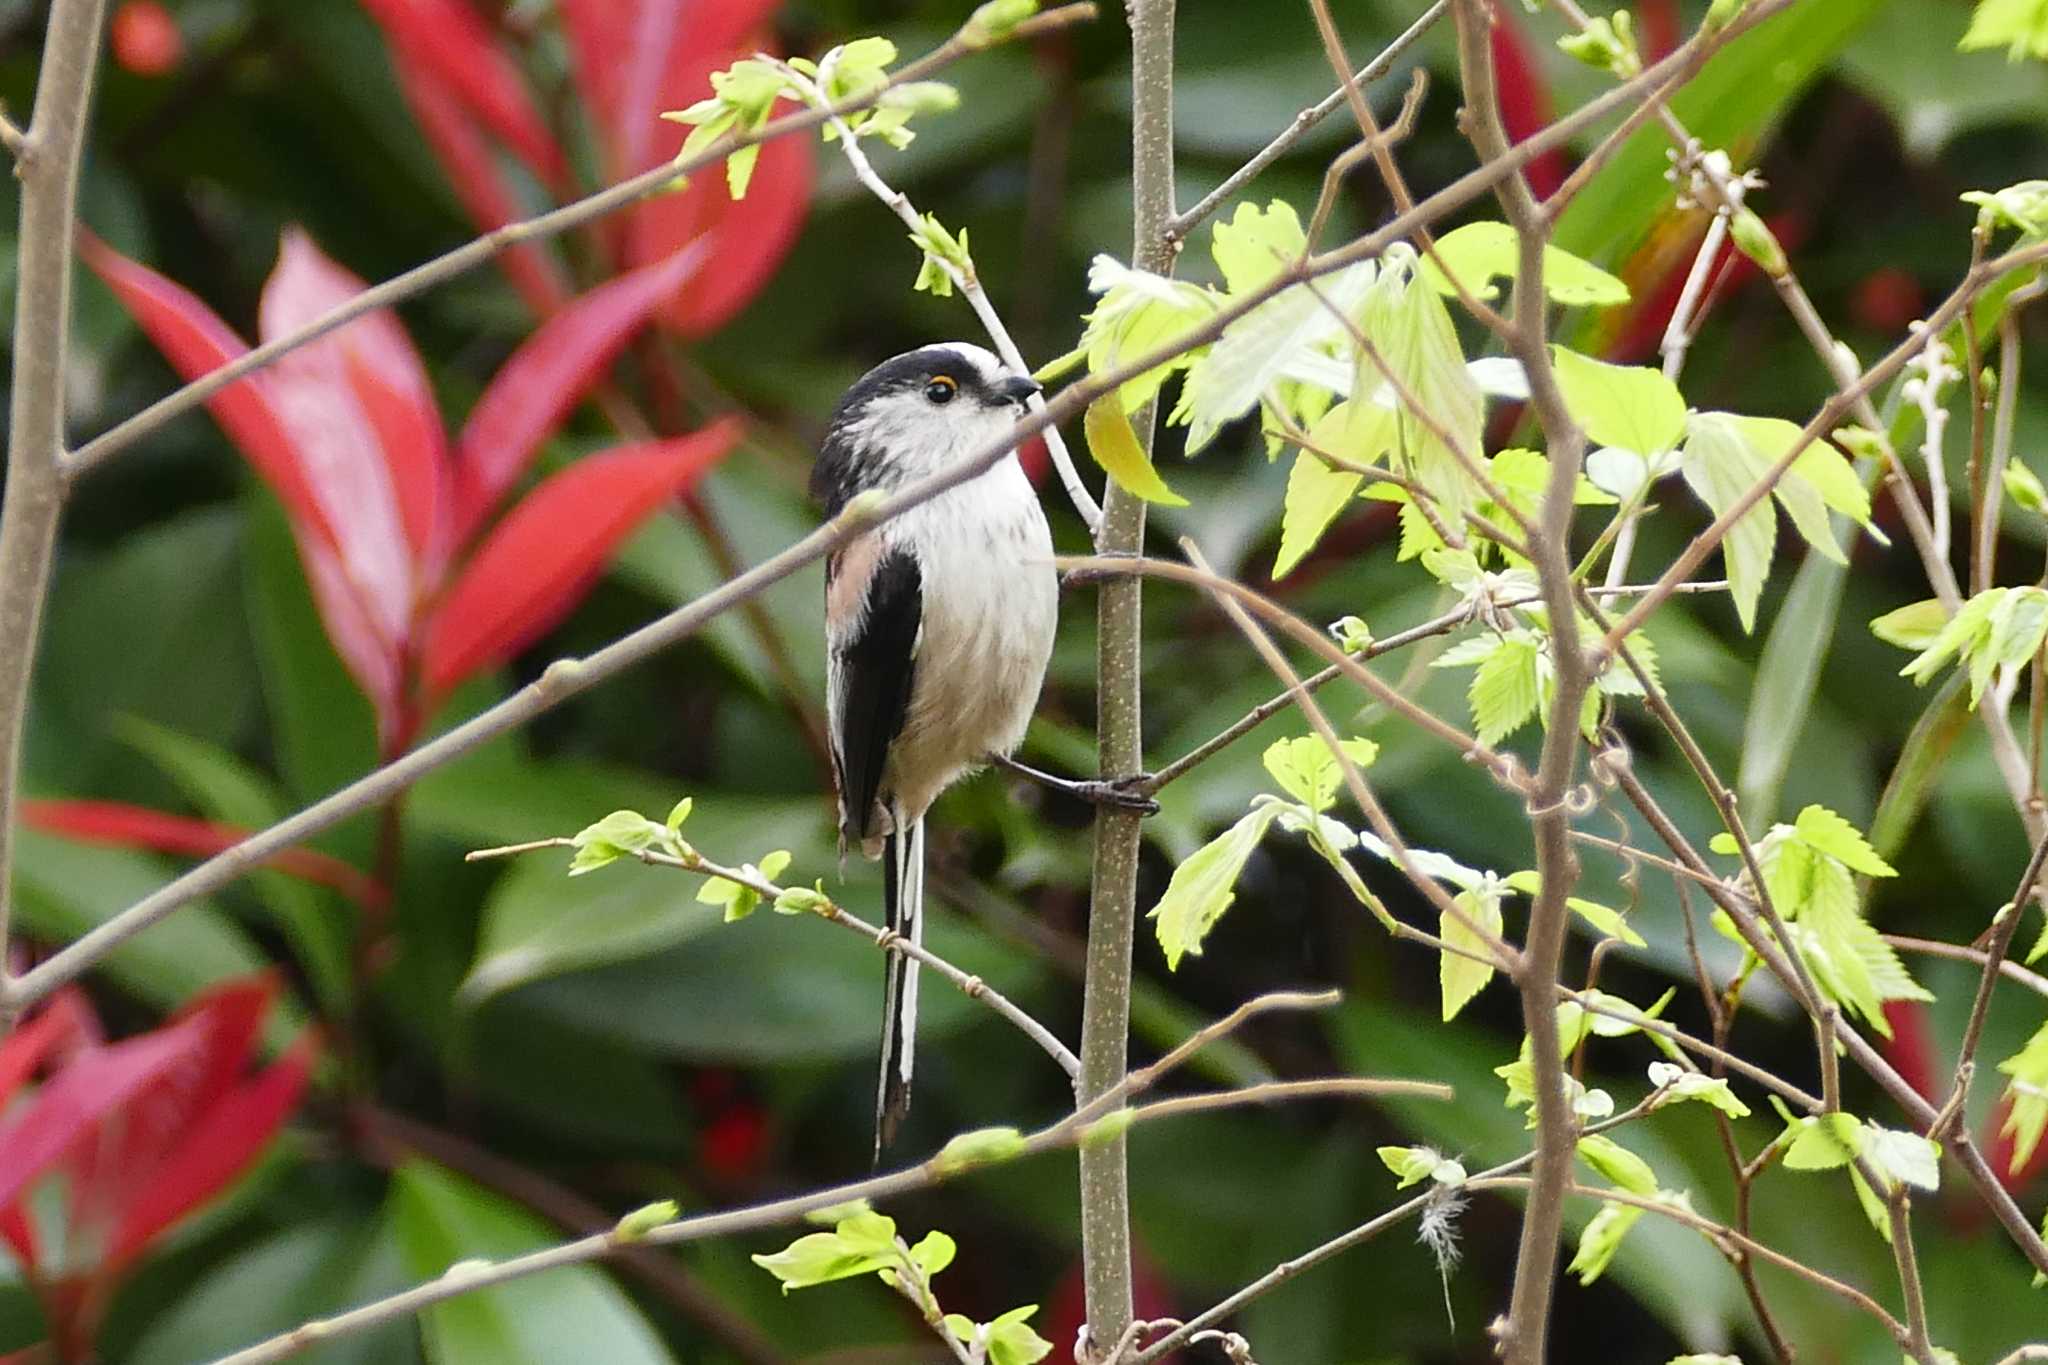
<point x="903" y="900"/>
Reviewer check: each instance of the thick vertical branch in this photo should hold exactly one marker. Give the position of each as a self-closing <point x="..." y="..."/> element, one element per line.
<point x="1522" y="1336"/>
<point x="1112" y="917"/>
<point x="47" y="163"/>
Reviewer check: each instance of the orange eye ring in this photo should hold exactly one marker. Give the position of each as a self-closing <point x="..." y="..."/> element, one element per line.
<point x="941" y="388"/>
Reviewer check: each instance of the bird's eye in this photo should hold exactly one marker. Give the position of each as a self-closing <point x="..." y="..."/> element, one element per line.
<point x="941" y="389"/>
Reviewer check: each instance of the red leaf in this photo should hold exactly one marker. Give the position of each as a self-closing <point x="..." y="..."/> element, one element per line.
<point x="71" y="1103"/>
<point x="535" y="566"/>
<point x="472" y="170"/>
<point x="196" y="342"/>
<point x="448" y="40"/>
<point x="626" y="50"/>
<point x="1910" y="1049"/>
<point x="546" y="377"/>
<point x="747" y="238"/>
<point x="126" y="826"/>
<point x="1525" y="106"/>
<point x="227" y="1137"/>
<point x="371" y="659"/>
<point x="338" y="445"/>
<point x="65" y="1022"/>
<point x="377" y="360"/>
<point x="1659" y="25"/>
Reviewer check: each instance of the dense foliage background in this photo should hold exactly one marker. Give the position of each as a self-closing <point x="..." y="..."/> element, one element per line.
<point x="503" y="1054"/>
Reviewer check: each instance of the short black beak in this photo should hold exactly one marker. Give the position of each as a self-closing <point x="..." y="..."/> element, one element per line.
<point x="1017" y="387"/>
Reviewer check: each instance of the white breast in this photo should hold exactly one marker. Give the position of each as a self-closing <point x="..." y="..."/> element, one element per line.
<point x="991" y="602"/>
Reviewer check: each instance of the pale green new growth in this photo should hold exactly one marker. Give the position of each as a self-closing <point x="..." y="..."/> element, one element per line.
<point x="2018" y="26"/>
<point x="738" y="899"/>
<point x="1999" y="627"/>
<point x="981" y="1147"/>
<point x="1417" y="1164"/>
<point x="1680" y="1084"/>
<point x="1606" y="44"/>
<point x="1601" y="1239"/>
<point x="1008" y="1339"/>
<point x="1618" y="1164"/>
<point x="2026" y="1091"/>
<point x="1479" y="253"/>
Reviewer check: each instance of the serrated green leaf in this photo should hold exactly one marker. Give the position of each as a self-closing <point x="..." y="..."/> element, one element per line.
<point x="2026" y="1092"/>
<point x="1203" y="886"/>
<point x="1829" y="833"/>
<point x="1254" y="244"/>
<point x="1138" y="313"/>
<point x="1824" y="1141"/>
<point x="1318" y="492"/>
<point x="1479" y="253"/>
<point x="1114" y="444"/>
<point x="1633" y="407"/>
<point x="1460" y="977"/>
<point x="1506" y="689"/>
<point x="1414" y="338"/>
<point x="2018" y="26"/>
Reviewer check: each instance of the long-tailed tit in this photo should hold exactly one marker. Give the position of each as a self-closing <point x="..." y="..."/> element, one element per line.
<point x="939" y="624"/>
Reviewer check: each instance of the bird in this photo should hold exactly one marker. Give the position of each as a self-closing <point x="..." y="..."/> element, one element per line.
<point x="939" y="624"/>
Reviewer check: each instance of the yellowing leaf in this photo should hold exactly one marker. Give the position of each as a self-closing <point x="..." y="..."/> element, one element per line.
<point x="1115" y="447"/>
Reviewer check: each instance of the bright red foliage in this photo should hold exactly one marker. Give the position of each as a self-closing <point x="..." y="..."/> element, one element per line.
<point x="631" y="59"/>
<point x="346" y="433"/>
<point x="143" y="1132"/>
<point x="124" y="826"/>
<point x="1525" y="106"/>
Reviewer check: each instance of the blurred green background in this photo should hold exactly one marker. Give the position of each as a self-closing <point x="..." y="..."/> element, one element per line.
<point x="529" y="1046"/>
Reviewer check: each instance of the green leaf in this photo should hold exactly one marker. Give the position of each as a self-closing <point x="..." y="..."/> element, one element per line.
<point x="225" y="788"/>
<point x="1506" y="688"/>
<point x="741" y="900"/>
<point x="1115" y="446"/>
<point x="1010" y="1338"/>
<point x="2018" y="26"/>
<point x="621" y="834"/>
<point x="645" y="1219"/>
<point x="1254" y="244"/>
<point x="2023" y="206"/>
<point x="1829" y="833"/>
<point x="1140" y="312"/>
<point x="1415" y="339"/>
<point x="442" y="1221"/>
<point x="1968" y="636"/>
<point x="1316" y="492"/>
<point x="1308" y="772"/>
<point x="1460" y="977"/>
<point x="1601" y="1239"/>
<point x="939" y="250"/>
<point x="1633" y="407"/>
<point x="981" y="1147"/>
<point x="1479" y="253"/>
<point x="1824" y="1141"/>
<point x="1680" y="1084"/>
<point x="1605" y="920"/>
<point x="1417" y="1164"/>
<point x="1903" y="1158"/>
<point x="1618" y="1164"/>
<point x="64" y="889"/>
<point x="1721" y="466"/>
<point x="934" y="1252"/>
<point x="2027" y="1094"/>
<point x="1914" y="627"/>
<point x="1203" y="886"/>
<point x="822" y="1257"/>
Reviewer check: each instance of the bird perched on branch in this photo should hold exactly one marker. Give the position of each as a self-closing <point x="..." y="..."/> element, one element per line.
<point x="939" y="624"/>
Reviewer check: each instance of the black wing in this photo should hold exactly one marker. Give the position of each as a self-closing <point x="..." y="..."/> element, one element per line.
<point x="875" y="663"/>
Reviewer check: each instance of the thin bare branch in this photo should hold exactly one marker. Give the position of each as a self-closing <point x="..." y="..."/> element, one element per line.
<point x="968" y="984"/>
<point x="1187" y="221"/>
<point x="47" y="161"/>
